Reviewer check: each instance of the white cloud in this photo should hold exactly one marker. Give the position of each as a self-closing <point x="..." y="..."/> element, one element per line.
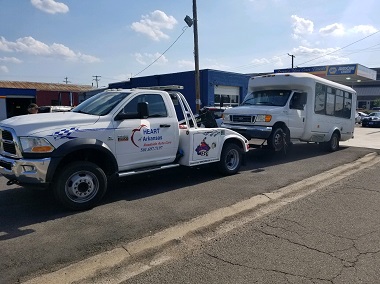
<point x="153" y="24"/>
<point x="29" y="45"/>
<point x="10" y="60"/>
<point x="275" y="61"/>
<point x="3" y="69"/>
<point x="363" y="29"/>
<point x="87" y="58"/>
<point x="321" y="55"/>
<point x="50" y="6"/>
<point x="260" y="61"/>
<point x="148" y="58"/>
<point x="338" y="29"/>
<point x="335" y="29"/>
<point x="186" y="64"/>
<point x="301" y="26"/>
<point x="122" y="77"/>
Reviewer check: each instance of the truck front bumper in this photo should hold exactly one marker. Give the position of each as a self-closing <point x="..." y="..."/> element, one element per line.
<point x="250" y="132"/>
<point x="24" y="171"/>
<point x="256" y="135"/>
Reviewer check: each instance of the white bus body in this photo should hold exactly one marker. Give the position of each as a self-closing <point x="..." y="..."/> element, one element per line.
<point x="280" y="108"/>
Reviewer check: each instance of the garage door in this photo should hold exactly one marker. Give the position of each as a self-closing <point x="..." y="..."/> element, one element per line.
<point x="229" y="94"/>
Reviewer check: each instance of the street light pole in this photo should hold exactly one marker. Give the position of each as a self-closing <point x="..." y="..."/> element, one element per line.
<point x="196" y="59"/>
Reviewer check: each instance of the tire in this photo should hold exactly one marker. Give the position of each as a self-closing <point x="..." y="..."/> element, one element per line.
<point x="276" y="139"/>
<point x="230" y="159"/>
<point x="80" y="186"/>
<point x="333" y="144"/>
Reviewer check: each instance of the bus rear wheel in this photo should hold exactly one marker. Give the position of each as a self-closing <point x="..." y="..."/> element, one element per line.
<point x="333" y="144"/>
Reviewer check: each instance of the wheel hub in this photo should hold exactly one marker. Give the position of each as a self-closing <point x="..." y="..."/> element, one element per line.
<point x="81" y="187"/>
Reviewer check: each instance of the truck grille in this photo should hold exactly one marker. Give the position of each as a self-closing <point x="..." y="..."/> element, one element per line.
<point x="7" y="144"/>
<point x="243" y="118"/>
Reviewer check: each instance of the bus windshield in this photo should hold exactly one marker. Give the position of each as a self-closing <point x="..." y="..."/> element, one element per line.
<point x="267" y="97"/>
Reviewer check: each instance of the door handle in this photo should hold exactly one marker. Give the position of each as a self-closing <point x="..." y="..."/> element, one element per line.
<point x="165" y="125"/>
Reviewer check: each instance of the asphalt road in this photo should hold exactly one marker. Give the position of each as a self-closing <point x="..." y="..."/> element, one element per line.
<point x="37" y="236"/>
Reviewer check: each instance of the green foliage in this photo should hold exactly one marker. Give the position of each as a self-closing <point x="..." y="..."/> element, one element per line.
<point x="376" y="103"/>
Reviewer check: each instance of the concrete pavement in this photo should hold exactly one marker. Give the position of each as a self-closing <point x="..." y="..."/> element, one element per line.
<point x="331" y="236"/>
<point x="289" y="235"/>
<point x="364" y="137"/>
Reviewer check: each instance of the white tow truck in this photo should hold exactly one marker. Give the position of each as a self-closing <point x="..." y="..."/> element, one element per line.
<point x="116" y="133"/>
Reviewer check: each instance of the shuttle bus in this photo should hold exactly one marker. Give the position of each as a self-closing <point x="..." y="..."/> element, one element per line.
<point x="280" y="108"/>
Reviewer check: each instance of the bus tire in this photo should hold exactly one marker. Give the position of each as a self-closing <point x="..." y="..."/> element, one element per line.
<point x="333" y="144"/>
<point x="276" y="139"/>
<point x="230" y="159"/>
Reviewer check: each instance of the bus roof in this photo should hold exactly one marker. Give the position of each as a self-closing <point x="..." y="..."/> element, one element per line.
<point x="295" y="80"/>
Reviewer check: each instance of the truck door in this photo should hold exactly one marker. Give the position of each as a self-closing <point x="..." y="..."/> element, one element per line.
<point x="296" y="114"/>
<point x="148" y="141"/>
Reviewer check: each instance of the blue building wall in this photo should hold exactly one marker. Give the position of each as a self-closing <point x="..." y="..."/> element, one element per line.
<point x="208" y="79"/>
<point x="17" y="92"/>
<point x="214" y="77"/>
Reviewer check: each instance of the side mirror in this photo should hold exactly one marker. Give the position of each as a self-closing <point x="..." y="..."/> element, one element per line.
<point x="142" y="110"/>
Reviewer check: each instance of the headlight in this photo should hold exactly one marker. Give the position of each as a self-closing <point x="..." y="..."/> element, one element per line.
<point x="35" y="145"/>
<point x="263" y="118"/>
<point x="226" y="117"/>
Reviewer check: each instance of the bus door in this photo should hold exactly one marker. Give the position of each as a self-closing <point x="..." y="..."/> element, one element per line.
<point x="296" y="114"/>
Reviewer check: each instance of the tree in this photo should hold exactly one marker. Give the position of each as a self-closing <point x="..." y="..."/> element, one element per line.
<point x="376" y="103"/>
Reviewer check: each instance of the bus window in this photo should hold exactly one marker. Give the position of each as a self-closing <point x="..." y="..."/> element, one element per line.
<point x="298" y="101"/>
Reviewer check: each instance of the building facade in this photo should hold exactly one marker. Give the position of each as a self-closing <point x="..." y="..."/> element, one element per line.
<point x="215" y="86"/>
<point x="15" y="96"/>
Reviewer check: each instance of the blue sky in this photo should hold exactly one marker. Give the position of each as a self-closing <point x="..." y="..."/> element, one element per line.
<point x="50" y="40"/>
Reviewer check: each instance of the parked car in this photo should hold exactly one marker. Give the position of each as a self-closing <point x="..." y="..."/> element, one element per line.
<point x="45" y="109"/>
<point x="372" y="120"/>
<point x="359" y="116"/>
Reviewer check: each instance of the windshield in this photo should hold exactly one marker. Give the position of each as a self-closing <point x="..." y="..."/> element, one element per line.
<point x="375" y="114"/>
<point x="267" y="97"/>
<point x="101" y="104"/>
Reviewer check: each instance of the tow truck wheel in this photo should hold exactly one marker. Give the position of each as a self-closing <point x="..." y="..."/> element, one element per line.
<point x="230" y="159"/>
<point x="80" y="185"/>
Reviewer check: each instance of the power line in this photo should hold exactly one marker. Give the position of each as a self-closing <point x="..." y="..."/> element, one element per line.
<point x="340" y="48"/>
<point x="357" y="51"/>
<point x="252" y="65"/>
<point x="183" y="31"/>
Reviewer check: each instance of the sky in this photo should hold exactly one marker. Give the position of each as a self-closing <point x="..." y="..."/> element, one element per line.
<point x="104" y="41"/>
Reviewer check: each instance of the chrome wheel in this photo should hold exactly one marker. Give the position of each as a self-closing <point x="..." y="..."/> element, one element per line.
<point x="82" y="186"/>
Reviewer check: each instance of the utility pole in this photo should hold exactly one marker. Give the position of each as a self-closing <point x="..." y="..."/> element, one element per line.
<point x="196" y="59"/>
<point x="96" y="79"/>
<point x="66" y="80"/>
<point x="292" y="56"/>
